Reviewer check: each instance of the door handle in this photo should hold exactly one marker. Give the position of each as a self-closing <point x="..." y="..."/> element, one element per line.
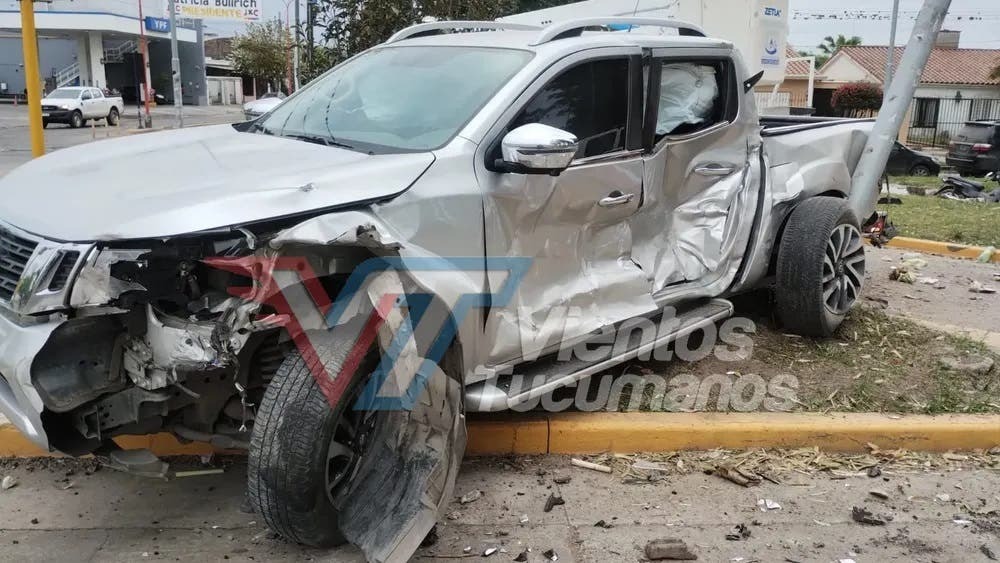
<point x="616" y="198"/>
<point x="715" y="170"/>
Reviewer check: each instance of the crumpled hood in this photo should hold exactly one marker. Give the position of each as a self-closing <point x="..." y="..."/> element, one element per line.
<point x="189" y="180"/>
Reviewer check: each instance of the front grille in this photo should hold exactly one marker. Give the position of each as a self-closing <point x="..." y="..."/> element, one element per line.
<point x="14" y="254"/>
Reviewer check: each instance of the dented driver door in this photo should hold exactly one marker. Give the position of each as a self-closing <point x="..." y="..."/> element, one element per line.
<point x="574" y="227"/>
<point x="702" y="174"/>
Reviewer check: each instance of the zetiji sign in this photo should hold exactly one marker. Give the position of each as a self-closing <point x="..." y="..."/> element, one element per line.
<point x="233" y="10"/>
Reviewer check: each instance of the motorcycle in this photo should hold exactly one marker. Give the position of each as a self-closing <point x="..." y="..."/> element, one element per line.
<point x="958" y="188"/>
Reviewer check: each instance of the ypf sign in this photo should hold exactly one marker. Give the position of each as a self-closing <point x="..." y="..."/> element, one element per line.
<point x="232" y="10"/>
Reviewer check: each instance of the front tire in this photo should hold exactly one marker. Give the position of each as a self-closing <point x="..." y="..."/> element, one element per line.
<point x="820" y="268"/>
<point x="303" y="453"/>
<point x="45" y="124"/>
<point x="920" y="170"/>
<point x="76" y="120"/>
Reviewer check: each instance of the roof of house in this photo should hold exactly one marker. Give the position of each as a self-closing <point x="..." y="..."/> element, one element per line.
<point x="795" y="68"/>
<point x="945" y="66"/>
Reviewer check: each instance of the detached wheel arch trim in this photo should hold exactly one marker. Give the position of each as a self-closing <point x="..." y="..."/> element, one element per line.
<point x="820" y="268"/>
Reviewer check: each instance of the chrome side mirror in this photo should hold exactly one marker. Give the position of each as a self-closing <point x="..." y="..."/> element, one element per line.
<point x="538" y="149"/>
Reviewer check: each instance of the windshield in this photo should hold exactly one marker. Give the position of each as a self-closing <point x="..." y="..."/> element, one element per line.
<point x="974" y="133"/>
<point x="396" y="99"/>
<point x="64" y="94"/>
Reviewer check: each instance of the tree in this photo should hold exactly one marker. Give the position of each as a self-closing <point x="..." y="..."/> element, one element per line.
<point x="829" y="46"/>
<point x="857" y="99"/>
<point x="262" y="51"/>
<point x="351" y="26"/>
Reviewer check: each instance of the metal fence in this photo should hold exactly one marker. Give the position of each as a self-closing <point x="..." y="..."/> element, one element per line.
<point x="934" y="121"/>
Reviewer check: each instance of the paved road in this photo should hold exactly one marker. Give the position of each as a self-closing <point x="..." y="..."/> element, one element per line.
<point x="110" y="516"/>
<point x="15" y="140"/>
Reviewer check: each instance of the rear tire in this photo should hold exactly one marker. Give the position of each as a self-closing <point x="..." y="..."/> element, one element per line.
<point x="76" y="120"/>
<point x="112" y="119"/>
<point x="821" y="267"/>
<point x="296" y="449"/>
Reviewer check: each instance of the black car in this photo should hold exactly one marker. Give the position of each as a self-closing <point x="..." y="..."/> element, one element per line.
<point x="975" y="150"/>
<point x="904" y="161"/>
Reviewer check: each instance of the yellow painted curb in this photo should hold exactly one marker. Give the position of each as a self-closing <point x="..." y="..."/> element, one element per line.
<point x="580" y="433"/>
<point x="587" y="433"/>
<point x="940" y="248"/>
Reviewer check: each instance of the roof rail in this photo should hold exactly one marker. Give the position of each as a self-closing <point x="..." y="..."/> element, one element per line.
<point x="433" y="28"/>
<point x="572" y="28"/>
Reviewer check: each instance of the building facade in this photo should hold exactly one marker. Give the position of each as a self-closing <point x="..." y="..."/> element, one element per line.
<point x="96" y="43"/>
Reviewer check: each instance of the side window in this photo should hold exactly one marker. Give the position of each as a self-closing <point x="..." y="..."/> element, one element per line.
<point x="590" y="101"/>
<point x="694" y="96"/>
<point x="85" y="95"/>
<point x="96" y="94"/>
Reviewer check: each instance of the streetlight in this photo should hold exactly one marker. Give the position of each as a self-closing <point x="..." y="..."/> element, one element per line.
<point x="292" y="68"/>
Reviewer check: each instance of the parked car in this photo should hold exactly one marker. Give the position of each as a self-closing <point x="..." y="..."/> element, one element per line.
<point x="975" y="150"/>
<point x="624" y="175"/>
<point x="76" y="105"/>
<point x="262" y="105"/>
<point x="904" y="161"/>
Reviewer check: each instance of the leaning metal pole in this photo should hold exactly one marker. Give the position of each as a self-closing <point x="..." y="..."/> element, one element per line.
<point x="175" y="66"/>
<point x="865" y="183"/>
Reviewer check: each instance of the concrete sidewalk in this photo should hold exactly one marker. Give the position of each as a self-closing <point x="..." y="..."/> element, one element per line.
<point x="59" y="510"/>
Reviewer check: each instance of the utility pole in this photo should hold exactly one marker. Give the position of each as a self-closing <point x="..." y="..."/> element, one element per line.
<point x="32" y="78"/>
<point x="871" y="165"/>
<point x="144" y="47"/>
<point x="295" y="52"/>
<point x="892" y="50"/>
<point x="175" y="65"/>
<point x="310" y="24"/>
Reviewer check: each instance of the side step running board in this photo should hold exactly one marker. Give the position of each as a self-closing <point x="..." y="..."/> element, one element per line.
<point x="548" y="374"/>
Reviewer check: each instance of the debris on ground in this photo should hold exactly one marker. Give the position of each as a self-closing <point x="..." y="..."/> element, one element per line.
<point x="864" y="516"/>
<point x="874" y="471"/>
<point x="550" y="554"/>
<point x="521" y="557"/>
<point x="553" y="501"/>
<point x="603" y="524"/>
<point x="456" y="515"/>
<point x="9" y="482"/>
<point x="879" y="494"/>
<point x="736" y="476"/>
<point x="943" y="497"/>
<point x="739" y="532"/>
<point x="767" y="505"/>
<point x="979" y="287"/>
<point x="902" y="275"/>
<point x="490" y="552"/>
<point x="973" y="364"/>
<point x="588" y="465"/>
<point x="643" y="465"/>
<point x="986" y="255"/>
<point x="471" y="497"/>
<point x="669" y="548"/>
<point x="562" y="479"/>
<point x="989" y="553"/>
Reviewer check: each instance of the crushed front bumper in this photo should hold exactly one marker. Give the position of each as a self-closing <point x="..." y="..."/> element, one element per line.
<point x="21" y="338"/>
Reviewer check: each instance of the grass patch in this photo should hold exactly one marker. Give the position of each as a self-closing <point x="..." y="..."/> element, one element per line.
<point x="917" y="181"/>
<point x="874" y="363"/>
<point x="945" y="220"/>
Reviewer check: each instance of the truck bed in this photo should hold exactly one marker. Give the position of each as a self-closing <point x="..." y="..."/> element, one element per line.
<point x="775" y="125"/>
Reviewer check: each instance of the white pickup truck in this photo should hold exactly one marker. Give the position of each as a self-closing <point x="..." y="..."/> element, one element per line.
<point x="75" y="105"/>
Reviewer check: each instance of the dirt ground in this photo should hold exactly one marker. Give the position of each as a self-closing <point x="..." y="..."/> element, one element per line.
<point x="943" y="512"/>
<point x="953" y="306"/>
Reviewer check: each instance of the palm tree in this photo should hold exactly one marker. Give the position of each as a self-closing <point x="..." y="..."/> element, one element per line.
<point x="830" y="45"/>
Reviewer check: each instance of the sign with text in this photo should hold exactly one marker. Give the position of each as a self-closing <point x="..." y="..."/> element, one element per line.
<point x="232" y="10"/>
<point x="157" y="24"/>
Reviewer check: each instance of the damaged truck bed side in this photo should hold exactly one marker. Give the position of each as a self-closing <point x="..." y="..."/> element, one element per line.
<point x="570" y="182"/>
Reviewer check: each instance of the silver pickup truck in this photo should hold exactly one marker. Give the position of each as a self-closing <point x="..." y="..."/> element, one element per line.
<point x="334" y="285"/>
